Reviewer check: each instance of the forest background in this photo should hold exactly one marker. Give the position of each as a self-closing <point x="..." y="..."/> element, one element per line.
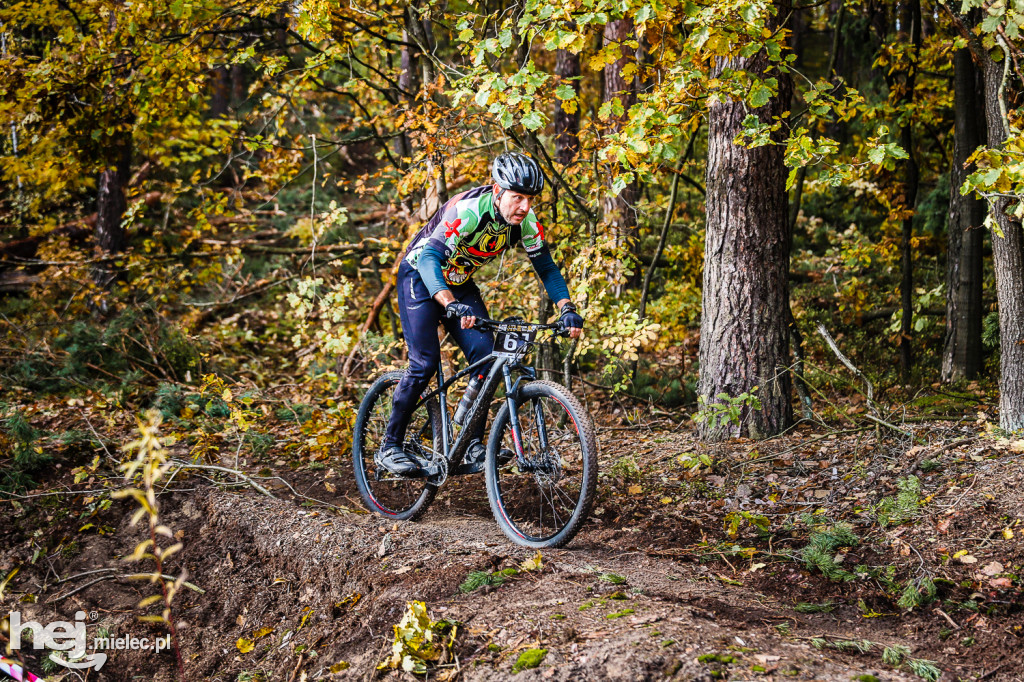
<point x="203" y="204"/>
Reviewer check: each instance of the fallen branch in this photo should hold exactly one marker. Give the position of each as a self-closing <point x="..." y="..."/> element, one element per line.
<point x="849" y="365"/>
<point x="126" y="576"/>
<point x="211" y="467"/>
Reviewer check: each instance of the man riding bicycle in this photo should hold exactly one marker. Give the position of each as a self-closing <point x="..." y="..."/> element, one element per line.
<point x="435" y="286"/>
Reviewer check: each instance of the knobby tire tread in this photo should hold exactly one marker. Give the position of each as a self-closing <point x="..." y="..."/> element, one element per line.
<point x="361" y="475"/>
<point x="588" y="437"/>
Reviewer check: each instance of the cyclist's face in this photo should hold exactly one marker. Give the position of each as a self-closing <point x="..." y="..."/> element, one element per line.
<point x="513" y="205"/>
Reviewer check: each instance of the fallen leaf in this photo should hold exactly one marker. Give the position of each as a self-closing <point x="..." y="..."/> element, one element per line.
<point x="635" y="490"/>
<point x="765" y="658"/>
<point x="403" y="569"/>
<point x="1001" y="583"/>
<point x="262" y="632"/>
<point x="943" y="525"/>
<point x="992" y="569"/>
<point x="968" y="559"/>
<point x="1007" y="533"/>
<point x="1017" y="446"/>
<point x="330" y="488"/>
<point x="244" y="645"/>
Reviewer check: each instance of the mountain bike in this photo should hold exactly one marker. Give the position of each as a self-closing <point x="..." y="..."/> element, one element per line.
<point x="541" y="454"/>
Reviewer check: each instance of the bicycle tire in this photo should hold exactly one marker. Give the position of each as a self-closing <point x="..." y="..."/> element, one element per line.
<point x="566" y="474"/>
<point x="403" y="499"/>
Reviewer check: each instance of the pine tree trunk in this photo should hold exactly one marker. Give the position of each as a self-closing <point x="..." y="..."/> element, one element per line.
<point x="111" y="203"/>
<point x="619" y="211"/>
<point x="1008" y="260"/>
<point x="962" y="356"/>
<point x="567" y="126"/>
<point x="744" y="337"/>
<point x="910" y="19"/>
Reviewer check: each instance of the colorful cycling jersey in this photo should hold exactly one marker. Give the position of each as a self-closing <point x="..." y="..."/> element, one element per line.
<point x="469" y="232"/>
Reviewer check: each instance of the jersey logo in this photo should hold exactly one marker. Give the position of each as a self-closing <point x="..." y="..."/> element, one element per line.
<point x="540" y="231"/>
<point x="453" y="228"/>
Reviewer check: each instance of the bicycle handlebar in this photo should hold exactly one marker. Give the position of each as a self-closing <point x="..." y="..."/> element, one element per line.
<point x="488" y="323"/>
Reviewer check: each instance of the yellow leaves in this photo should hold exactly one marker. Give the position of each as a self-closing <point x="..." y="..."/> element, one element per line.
<point x="635" y="489"/>
<point x="1007" y="535"/>
<point x="3" y="585"/>
<point x="534" y="563"/>
<point x="418" y="641"/>
<point x="245" y="645"/>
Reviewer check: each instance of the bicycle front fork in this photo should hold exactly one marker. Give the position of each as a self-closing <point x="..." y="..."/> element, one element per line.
<point x="511" y="395"/>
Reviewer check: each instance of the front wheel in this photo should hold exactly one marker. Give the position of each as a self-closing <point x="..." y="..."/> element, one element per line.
<point x="395" y="497"/>
<point x="543" y="500"/>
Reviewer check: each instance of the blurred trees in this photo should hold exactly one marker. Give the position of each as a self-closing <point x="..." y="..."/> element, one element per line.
<point x="222" y="152"/>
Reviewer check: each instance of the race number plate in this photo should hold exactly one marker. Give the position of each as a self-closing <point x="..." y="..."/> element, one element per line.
<point x="509" y="339"/>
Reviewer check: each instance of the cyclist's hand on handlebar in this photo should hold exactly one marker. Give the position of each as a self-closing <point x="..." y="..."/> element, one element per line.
<point x="571" y="320"/>
<point x="456" y="309"/>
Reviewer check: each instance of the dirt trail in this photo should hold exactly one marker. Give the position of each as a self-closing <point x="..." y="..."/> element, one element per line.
<point x="312" y="589"/>
<point x="335" y="584"/>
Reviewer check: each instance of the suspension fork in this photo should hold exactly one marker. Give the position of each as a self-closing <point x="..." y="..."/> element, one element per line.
<point x="511" y="393"/>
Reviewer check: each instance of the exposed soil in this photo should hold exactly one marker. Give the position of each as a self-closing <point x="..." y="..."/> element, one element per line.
<point x="330" y="585"/>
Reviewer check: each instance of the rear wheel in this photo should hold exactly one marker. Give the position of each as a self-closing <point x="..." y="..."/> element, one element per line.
<point x="542" y="501"/>
<point x="382" y="492"/>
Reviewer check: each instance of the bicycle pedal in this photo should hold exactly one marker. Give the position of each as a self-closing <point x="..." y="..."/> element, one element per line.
<point x="467" y="468"/>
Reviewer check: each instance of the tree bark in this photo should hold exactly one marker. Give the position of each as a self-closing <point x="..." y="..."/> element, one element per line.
<point x="962" y="355"/>
<point x="744" y="337"/>
<point x="567" y="126"/>
<point x="910" y="17"/>
<point x="619" y="211"/>
<point x="1008" y="260"/>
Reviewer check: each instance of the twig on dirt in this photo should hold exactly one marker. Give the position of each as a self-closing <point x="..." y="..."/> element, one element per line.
<point x="306" y="497"/>
<point x="974" y="479"/>
<point x="946" y="616"/>
<point x="79" y="575"/>
<point x="945" y="448"/>
<point x="889" y="426"/>
<point x="211" y="467"/>
<point x="98" y="439"/>
<point x="295" y="672"/>
<point x="126" y="576"/>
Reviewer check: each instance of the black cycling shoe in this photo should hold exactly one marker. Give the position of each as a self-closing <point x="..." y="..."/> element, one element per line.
<point x="399" y="462"/>
<point x="473" y="462"/>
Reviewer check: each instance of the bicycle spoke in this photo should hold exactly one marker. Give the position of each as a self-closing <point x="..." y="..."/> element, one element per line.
<point x="540" y="503"/>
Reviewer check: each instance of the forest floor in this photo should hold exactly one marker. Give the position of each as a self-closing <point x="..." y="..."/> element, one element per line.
<point x="698" y="563"/>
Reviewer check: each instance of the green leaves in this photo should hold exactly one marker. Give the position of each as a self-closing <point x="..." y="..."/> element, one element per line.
<point x="533" y="121"/>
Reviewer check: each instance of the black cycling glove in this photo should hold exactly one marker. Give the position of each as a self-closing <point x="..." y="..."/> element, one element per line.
<point x="456" y="309"/>
<point x="570" y="318"/>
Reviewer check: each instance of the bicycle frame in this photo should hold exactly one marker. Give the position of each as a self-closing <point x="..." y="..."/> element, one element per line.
<point x="503" y="365"/>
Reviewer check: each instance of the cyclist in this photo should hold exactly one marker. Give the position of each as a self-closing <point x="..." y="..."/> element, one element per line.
<point x="435" y="285"/>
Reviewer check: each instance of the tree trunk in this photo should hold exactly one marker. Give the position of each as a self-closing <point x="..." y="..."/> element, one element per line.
<point x="910" y="18"/>
<point x="567" y="126"/>
<point x="1008" y="259"/>
<point x="407" y="90"/>
<point x="962" y="356"/>
<point x="744" y="337"/>
<point x="619" y="211"/>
